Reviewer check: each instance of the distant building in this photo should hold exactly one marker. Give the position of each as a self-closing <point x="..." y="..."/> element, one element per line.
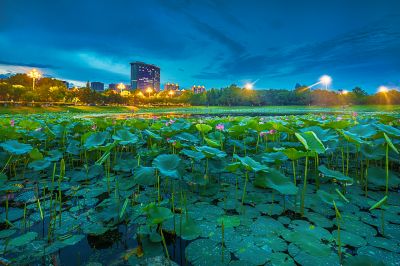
<point x="145" y="76"/>
<point x="112" y="86"/>
<point x="171" y="86"/>
<point x="97" y="86"/>
<point x="198" y="89"/>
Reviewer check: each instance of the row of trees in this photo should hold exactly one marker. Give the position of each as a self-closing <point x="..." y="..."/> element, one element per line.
<point x="19" y="88"/>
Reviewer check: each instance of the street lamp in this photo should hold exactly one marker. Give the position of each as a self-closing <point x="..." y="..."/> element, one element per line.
<point x="325" y="80"/>
<point x="121" y="87"/>
<point x="248" y="86"/>
<point x="171" y="93"/>
<point x="149" y="90"/>
<point x="34" y="75"/>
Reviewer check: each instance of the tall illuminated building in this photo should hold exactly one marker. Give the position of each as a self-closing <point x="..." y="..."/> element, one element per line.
<point x="145" y="76"/>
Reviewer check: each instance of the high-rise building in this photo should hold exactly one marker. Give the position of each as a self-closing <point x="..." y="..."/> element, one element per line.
<point x="112" y="86"/>
<point x="198" y="89"/>
<point x="97" y="86"/>
<point x="171" y="86"/>
<point x="145" y="76"/>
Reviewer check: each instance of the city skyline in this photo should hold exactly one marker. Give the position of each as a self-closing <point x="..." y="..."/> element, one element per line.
<point x="215" y="43"/>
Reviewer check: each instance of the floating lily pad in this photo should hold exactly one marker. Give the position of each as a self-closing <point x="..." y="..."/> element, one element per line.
<point x="22" y="240"/>
<point x="204" y="252"/>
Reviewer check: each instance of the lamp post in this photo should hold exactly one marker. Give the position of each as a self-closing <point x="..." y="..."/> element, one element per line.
<point x="324" y="80"/>
<point x="34" y="75"/>
<point x="149" y="90"/>
<point x="121" y="87"/>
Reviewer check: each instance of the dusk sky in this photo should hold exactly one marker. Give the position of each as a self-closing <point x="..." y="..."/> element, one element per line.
<point x="206" y="42"/>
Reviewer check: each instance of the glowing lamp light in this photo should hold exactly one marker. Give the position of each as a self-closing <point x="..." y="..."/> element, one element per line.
<point x="325" y="80"/>
<point x="248" y="86"/>
<point x="121" y="87"/>
<point x="344" y="92"/>
<point x="171" y="93"/>
<point x="383" y="89"/>
<point x="34" y="75"/>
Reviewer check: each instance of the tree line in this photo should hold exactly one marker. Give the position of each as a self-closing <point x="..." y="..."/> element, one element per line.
<point x="18" y="88"/>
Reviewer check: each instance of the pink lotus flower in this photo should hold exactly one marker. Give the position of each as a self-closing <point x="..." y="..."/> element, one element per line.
<point x="323" y="117"/>
<point x="94" y="127"/>
<point x="170" y="122"/>
<point x="174" y="143"/>
<point x="220" y="127"/>
<point x="155" y="117"/>
<point x="272" y="131"/>
<point x="12" y="123"/>
<point x="355" y="114"/>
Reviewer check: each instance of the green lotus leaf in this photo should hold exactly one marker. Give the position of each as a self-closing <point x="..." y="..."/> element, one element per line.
<point x="308" y="243"/>
<point x="249" y="164"/>
<point x="125" y="137"/>
<point x="190" y="230"/>
<point x="364" y="131"/>
<point x="210" y="152"/>
<point x="233" y="167"/>
<point x="152" y="135"/>
<point x="334" y="174"/>
<point x="275" y="180"/>
<point x="35" y="154"/>
<point x="196" y="155"/>
<point x="145" y="176"/>
<point x="15" y="147"/>
<point x="205" y="252"/>
<point x="229" y="221"/>
<point x="185" y="136"/>
<point x="168" y="165"/>
<point x="376" y="176"/>
<point x="322" y="134"/>
<point x="352" y="137"/>
<point x="311" y="142"/>
<point x="70" y="241"/>
<point x="157" y="214"/>
<point x="39" y="165"/>
<point x="329" y="198"/>
<point x="373" y="151"/>
<point x="389" y="130"/>
<point x="294" y="154"/>
<point x="203" y="128"/>
<point x="212" y="143"/>
<point x="95" y="140"/>
<point x="362" y="260"/>
<point x="274" y="157"/>
<point x="22" y="240"/>
<point x="390" y="143"/>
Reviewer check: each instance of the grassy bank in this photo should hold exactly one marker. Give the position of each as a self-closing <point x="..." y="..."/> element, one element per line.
<point x="201" y="109"/>
<point x="59" y="109"/>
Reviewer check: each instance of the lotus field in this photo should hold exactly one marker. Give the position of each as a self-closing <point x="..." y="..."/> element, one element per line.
<point x="268" y="190"/>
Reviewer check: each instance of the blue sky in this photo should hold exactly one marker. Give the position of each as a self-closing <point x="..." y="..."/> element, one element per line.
<point x="206" y="42"/>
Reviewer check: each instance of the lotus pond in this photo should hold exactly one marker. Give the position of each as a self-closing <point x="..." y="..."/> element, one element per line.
<point x="284" y="190"/>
